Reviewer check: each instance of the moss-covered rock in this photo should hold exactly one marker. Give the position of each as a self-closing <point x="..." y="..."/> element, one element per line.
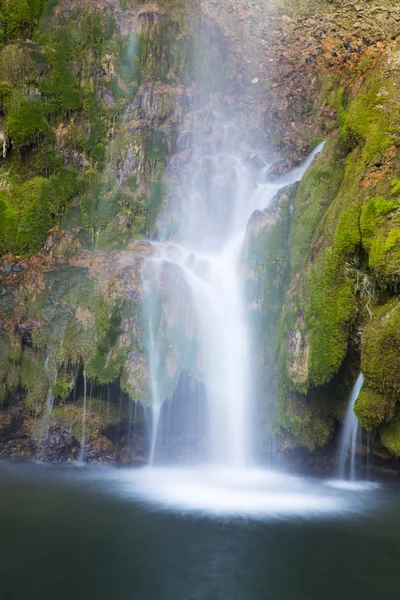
<point x="344" y="262"/>
<point x="308" y="419"/>
<point x="320" y="304"/>
<point x="316" y="191"/>
<point x="390" y="434"/>
<point x="380" y="357"/>
<point x="380" y="228"/>
<point x="65" y="94"/>
<point x="374" y="408"/>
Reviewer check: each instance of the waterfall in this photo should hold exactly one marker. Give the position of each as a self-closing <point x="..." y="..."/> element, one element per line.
<point x="222" y="193"/>
<point x="350" y="437"/>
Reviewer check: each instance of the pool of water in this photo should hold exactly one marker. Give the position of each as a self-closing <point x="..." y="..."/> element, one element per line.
<point x="205" y="534"/>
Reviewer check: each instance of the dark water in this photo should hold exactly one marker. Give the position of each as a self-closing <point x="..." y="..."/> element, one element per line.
<point x="70" y="534"/>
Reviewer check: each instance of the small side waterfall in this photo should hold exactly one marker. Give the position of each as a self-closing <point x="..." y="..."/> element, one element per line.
<point x="83" y="439"/>
<point x="350" y="437"/>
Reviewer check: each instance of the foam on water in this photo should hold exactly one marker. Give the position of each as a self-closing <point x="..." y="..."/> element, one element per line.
<point x="354" y="486"/>
<point x="251" y="493"/>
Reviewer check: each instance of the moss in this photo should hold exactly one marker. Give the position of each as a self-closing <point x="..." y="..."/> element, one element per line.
<point x="118" y="232"/>
<point x="30" y="209"/>
<point x="5" y="92"/>
<point x="83" y="329"/>
<point x="366" y="121"/>
<point x="61" y="87"/>
<point x="94" y="139"/>
<point x="384" y="257"/>
<point x="320" y="304"/>
<point x="106" y="365"/>
<point x="63" y="386"/>
<point x="107" y="362"/>
<point x="330" y="311"/>
<point x="395" y="191"/>
<point x="78" y="344"/>
<point x="8" y="224"/>
<point x="332" y="303"/>
<point x="315" y="193"/>
<point x="60" y="189"/>
<point x="304" y="419"/>
<point x="17" y="65"/>
<point x="35" y="217"/>
<point x="5" y="352"/>
<point x="35" y="380"/>
<point x="390" y="434"/>
<point x="53" y="86"/>
<point x="266" y="251"/>
<point x="371" y="214"/>
<point x="380" y="357"/>
<point x="374" y="408"/>
<point x="16" y="17"/>
<point x="131" y="182"/>
<point x="13" y="376"/>
<point x="316" y="141"/>
<point x="100" y="205"/>
<point x="28" y="123"/>
<point x="135" y="378"/>
<point x="380" y="227"/>
<point x="98" y="416"/>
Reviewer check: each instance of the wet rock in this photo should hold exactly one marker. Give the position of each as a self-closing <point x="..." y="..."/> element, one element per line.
<point x="256" y="160"/>
<point x="100" y="451"/>
<point x="56" y="445"/>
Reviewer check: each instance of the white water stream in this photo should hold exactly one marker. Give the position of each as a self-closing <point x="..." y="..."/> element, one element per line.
<point x="350" y="437"/>
<point x="225" y="191"/>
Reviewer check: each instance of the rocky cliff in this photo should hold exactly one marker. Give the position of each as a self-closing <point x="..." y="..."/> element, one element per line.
<point x="334" y="76"/>
<point x="97" y="100"/>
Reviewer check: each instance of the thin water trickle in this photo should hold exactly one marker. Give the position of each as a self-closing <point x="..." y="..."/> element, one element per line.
<point x="83" y="439"/>
<point x="350" y="437"/>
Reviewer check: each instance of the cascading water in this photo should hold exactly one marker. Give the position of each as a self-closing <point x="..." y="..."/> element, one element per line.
<point x="83" y="437"/>
<point x="350" y="437"/>
<point x="225" y="190"/>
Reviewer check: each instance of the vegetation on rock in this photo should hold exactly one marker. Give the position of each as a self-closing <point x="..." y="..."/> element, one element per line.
<point x="90" y="101"/>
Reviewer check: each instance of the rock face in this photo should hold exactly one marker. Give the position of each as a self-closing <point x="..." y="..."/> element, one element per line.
<point x="91" y="103"/>
<point x="341" y="268"/>
<point x="96" y="123"/>
<point x="89" y="107"/>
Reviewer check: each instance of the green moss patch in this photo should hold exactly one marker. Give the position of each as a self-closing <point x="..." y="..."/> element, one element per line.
<point x="27" y="124"/>
<point x="315" y="192"/>
<point x="380" y="356"/>
<point x="390" y="434"/>
<point x="374" y="408"/>
<point x="368" y="120"/>
<point x="305" y="419"/>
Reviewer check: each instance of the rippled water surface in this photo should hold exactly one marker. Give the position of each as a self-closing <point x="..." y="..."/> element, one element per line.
<point x="177" y="534"/>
